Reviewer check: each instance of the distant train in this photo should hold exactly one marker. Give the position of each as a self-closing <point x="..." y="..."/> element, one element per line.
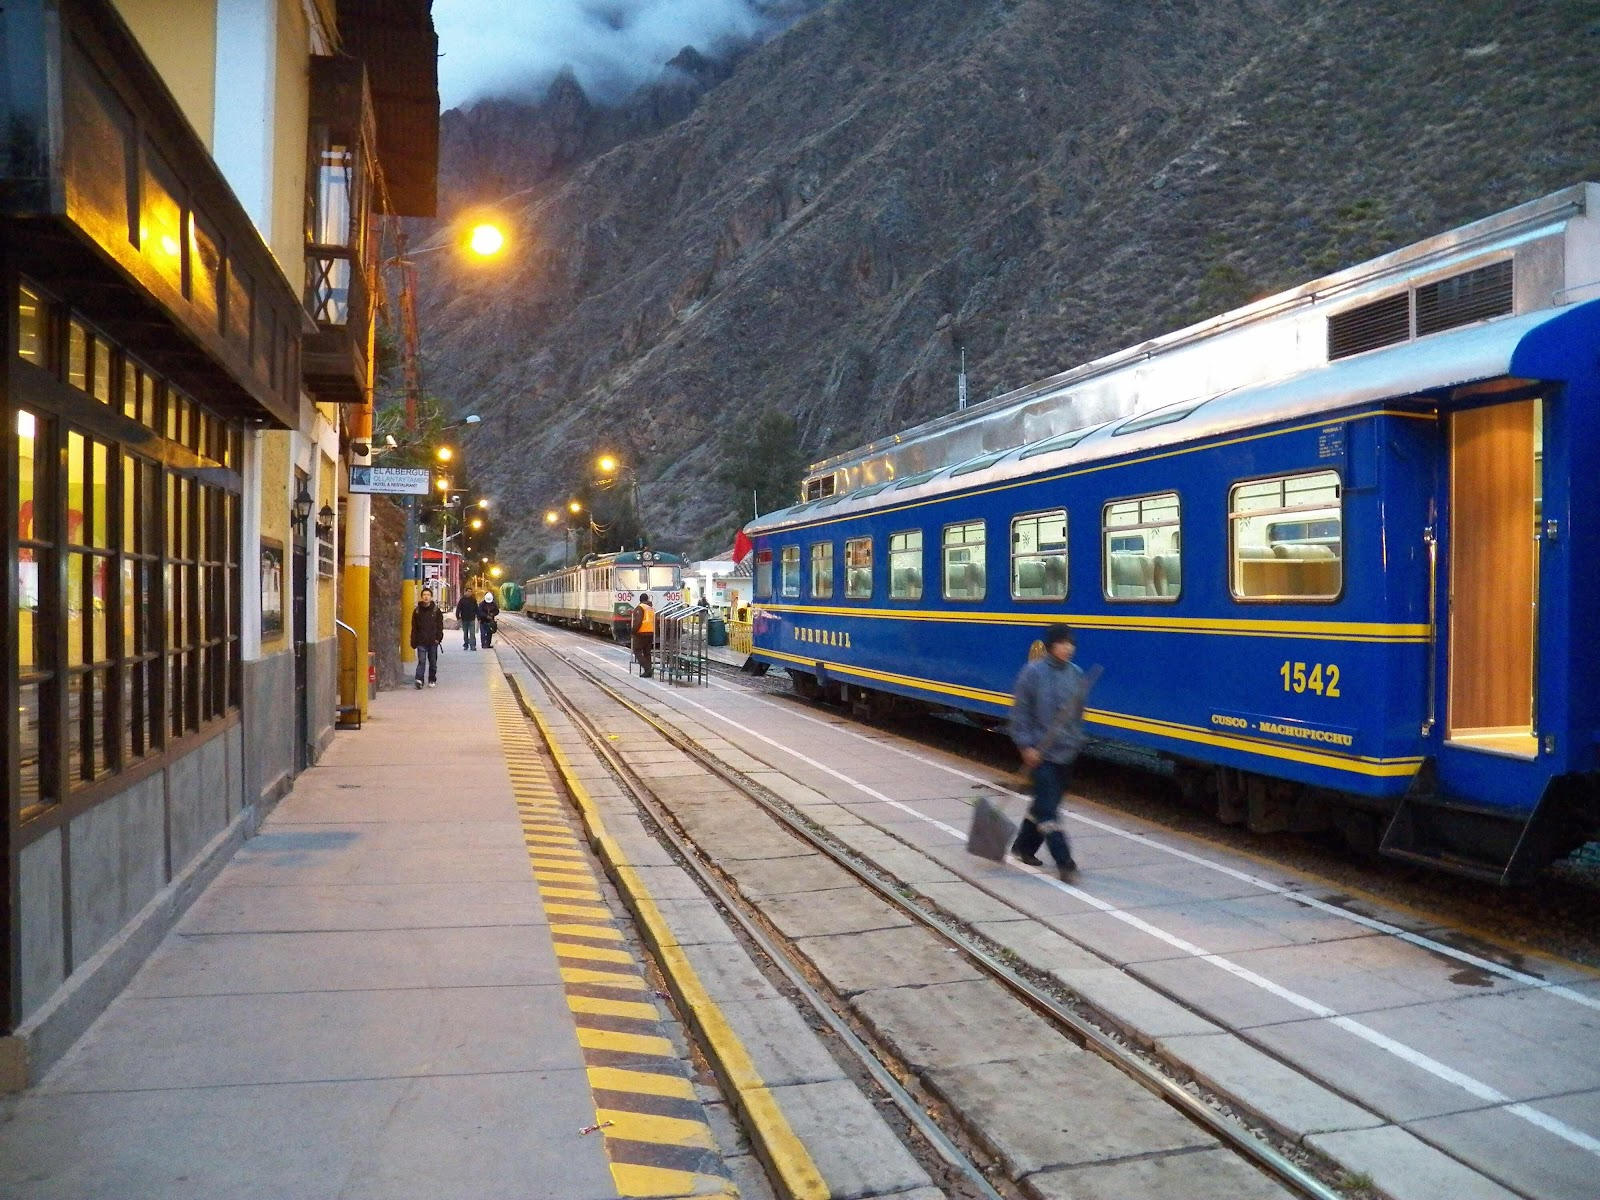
<point x="599" y="593"/>
<point x="1335" y="550"/>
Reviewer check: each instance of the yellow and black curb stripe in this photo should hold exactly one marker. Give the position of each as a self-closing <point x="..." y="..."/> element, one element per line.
<point x="657" y="1140"/>
<point x="789" y="1163"/>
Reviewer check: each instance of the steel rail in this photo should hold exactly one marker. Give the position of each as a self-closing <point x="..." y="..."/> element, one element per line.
<point x="881" y="1075"/>
<point x="1262" y="1155"/>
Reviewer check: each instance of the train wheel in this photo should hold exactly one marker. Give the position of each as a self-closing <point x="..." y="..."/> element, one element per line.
<point x="805" y="684"/>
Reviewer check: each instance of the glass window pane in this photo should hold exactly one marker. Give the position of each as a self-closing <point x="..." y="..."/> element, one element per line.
<point x="77" y="499"/>
<point x="148" y="397"/>
<point x="97" y="646"/>
<point x="858" y="568"/>
<point x="130" y="391"/>
<point x="134" y="701"/>
<point x="100" y="495"/>
<point x="791" y="570"/>
<point x="763" y="577"/>
<point x="822" y="570"/>
<point x="33" y="450"/>
<point x="32" y="327"/>
<point x="32" y="629"/>
<point x="78" y="707"/>
<point x="78" y="356"/>
<point x="1287" y="538"/>
<point x="102" y="370"/>
<point x="1143" y="542"/>
<point x="964" y="561"/>
<point x="31" y="703"/>
<point x="1039" y="556"/>
<point x="905" y="565"/>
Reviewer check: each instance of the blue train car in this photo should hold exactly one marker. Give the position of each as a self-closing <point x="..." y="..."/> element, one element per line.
<point x="1356" y="594"/>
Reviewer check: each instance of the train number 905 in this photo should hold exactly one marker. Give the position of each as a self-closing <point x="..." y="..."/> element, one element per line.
<point x="1321" y="678"/>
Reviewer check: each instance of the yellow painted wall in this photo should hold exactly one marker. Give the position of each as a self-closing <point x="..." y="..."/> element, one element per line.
<point x="180" y="38"/>
<point x="327" y="601"/>
<point x="293" y="111"/>
<point x="276" y="496"/>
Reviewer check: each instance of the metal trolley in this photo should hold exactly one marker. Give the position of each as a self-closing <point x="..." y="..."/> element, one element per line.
<point x="680" y="645"/>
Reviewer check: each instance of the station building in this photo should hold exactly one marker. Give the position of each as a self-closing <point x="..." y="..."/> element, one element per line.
<point x="187" y="248"/>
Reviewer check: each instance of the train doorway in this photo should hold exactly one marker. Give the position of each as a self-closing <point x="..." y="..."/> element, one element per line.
<point x="1496" y="489"/>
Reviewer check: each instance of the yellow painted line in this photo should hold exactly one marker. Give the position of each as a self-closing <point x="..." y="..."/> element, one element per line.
<point x="572" y="879"/>
<point x="634" y="1009"/>
<point x="559" y="851"/>
<point x="631" y="983"/>
<point x="559" y="864"/>
<point x="633" y="1180"/>
<point x="607" y="933"/>
<point x="625" y="1043"/>
<point x="797" y="1173"/>
<point x="592" y="953"/>
<point x="646" y="1083"/>
<point x="564" y="893"/>
<point x="547" y="843"/>
<point x="646" y="1127"/>
<point x="578" y="910"/>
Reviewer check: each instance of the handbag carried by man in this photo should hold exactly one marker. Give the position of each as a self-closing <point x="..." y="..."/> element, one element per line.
<point x="992" y="831"/>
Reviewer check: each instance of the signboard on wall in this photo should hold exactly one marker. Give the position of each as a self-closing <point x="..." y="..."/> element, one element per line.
<point x="390" y="481"/>
<point x="272" y="580"/>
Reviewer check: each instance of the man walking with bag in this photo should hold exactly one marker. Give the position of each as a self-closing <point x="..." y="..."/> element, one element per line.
<point x="1047" y="726"/>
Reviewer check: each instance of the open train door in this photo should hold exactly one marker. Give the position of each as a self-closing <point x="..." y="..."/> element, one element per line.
<point x="1470" y="811"/>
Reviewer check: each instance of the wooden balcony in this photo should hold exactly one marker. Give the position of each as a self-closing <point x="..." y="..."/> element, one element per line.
<point x="114" y="203"/>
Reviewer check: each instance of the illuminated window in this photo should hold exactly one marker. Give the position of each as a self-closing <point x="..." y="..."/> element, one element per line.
<point x="1039" y="556"/>
<point x="791" y="571"/>
<point x="858" y="568"/>
<point x="822" y="570"/>
<point x="1143" y="548"/>
<point x="905" y="565"/>
<point x="1287" y="538"/>
<point x="964" y="561"/>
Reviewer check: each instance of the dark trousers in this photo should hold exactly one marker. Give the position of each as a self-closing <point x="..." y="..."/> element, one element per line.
<point x="469" y="634"/>
<point x="1042" y="825"/>
<point x="643" y="647"/>
<point x="428" y="656"/>
<point x="487" y="629"/>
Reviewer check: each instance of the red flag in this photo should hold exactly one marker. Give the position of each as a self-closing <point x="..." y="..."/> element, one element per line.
<point x="742" y="545"/>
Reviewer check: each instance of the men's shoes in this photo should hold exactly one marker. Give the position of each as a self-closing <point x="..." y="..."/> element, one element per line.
<point x="1068" y="871"/>
<point x="1030" y="860"/>
<point x="418" y="682"/>
<point x="433" y="683"/>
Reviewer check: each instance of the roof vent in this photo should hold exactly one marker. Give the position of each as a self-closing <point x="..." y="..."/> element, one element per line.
<point x="1465" y="298"/>
<point x="1381" y="323"/>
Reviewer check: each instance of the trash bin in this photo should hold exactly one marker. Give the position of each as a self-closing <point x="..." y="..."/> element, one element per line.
<point x="716" y="631"/>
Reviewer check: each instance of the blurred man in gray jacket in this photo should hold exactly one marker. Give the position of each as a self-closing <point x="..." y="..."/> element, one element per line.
<point x="1047" y="726"/>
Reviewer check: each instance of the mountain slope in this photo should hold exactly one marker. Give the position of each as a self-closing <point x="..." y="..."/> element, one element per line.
<point x="1039" y="181"/>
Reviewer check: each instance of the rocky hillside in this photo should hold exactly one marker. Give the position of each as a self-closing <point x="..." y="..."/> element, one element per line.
<point x="814" y="226"/>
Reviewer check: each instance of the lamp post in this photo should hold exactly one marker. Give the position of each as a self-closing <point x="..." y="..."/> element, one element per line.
<point x="610" y="468"/>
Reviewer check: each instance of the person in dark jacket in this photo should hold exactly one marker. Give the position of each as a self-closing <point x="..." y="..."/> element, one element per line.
<point x="644" y="634"/>
<point x="427" y="632"/>
<point x="488" y="616"/>
<point x="467" y="614"/>
<point x="1046" y="724"/>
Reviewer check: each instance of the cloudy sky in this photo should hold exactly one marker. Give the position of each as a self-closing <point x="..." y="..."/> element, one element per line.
<point x="515" y="47"/>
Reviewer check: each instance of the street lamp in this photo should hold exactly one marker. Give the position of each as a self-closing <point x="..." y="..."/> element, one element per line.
<point x="610" y="467"/>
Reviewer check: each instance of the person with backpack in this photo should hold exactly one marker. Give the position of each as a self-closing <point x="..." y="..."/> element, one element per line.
<point x="427" y="632"/>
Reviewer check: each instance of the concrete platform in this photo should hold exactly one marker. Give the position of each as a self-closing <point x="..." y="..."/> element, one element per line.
<point x="1401" y="1048"/>
<point x="373" y="999"/>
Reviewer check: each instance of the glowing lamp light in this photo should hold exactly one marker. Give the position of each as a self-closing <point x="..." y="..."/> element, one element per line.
<point x="444" y="453"/>
<point x="486" y="240"/>
<point x="442" y="484"/>
<point x="574" y="507"/>
<point x="495" y="572"/>
<point x="476" y="523"/>
<point x="607" y="464"/>
<point x="551" y="517"/>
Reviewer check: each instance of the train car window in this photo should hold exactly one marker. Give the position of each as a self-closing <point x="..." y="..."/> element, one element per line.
<point x="1287" y="538"/>
<point x="979" y="463"/>
<point x="858" y="568"/>
<point x="791" y="571"/>
<point x="964" y="561"/>
<point x="1143" y="539"/>
<point x="1062" y="441"/>
<point x="663" y="577"/>
<point x="1039" y="556"/>
<point x="913" y="480"/>
<point x="871" y="490"/>
<point x="905" y="565"/>
<point x="763" y="583"/>
<point x="822" y="570"/>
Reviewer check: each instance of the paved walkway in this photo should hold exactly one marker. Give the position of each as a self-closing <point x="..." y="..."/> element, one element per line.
<point x="366" y="1003"/>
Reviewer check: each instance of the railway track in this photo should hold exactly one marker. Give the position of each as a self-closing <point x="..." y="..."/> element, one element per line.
<point x="1292" y="1168"/>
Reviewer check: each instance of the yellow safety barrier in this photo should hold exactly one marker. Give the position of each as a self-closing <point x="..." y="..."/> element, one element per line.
<point x="739" y="636"/>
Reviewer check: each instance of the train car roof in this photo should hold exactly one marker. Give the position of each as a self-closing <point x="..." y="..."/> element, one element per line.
<point x="1427" y="366"/>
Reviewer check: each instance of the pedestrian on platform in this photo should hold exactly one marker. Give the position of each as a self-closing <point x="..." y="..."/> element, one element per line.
<point x="427" y="633"/>
<point x="644" y="634"/>
<point x="467" y="614"/>
<point x="1046" y="724"/>
<point x="488" y="618"/>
